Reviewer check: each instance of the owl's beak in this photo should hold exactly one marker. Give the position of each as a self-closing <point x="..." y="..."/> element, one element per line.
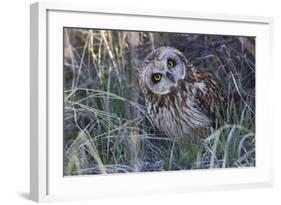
<point x="170" y="77"/>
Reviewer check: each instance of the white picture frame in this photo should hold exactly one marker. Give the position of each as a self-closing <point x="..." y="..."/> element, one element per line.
<point x="46" y="177"/>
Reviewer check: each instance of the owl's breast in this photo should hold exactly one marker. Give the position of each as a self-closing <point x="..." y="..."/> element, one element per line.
<point x="177" y="116"/>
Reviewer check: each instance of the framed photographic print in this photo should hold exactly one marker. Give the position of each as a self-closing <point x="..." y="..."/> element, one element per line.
<point x="128" y="101"/>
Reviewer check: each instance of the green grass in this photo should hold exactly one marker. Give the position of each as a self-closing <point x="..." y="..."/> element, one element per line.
<point x="106" y="129"/>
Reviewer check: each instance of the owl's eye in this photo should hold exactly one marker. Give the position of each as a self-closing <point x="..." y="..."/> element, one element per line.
<point x="156" y="77"/>
<point x="171" y="63"/>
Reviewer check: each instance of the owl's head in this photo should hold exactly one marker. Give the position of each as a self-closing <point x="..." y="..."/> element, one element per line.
<point x="163" y="69"/>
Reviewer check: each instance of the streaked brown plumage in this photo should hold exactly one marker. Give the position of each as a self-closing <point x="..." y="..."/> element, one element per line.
<point x="184" y="100"/>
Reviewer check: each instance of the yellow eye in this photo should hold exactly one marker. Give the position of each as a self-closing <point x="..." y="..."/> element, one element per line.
<point x="170" y="63"/>
<point x="157" y="77"/>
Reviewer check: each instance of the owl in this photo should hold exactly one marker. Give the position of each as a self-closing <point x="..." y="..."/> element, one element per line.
<point x="180" y="100"/>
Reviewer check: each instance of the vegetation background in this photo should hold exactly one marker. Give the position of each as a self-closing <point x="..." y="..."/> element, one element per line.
<point x="106" y="129"/>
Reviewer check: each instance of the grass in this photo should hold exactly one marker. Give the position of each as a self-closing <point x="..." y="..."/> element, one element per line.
<point x="106" y="129"/>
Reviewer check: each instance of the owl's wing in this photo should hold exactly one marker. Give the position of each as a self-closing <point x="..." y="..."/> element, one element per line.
<point x="209" y="94"/>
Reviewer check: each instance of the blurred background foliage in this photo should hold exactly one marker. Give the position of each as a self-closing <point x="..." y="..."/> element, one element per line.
<point x="106" y="129"/>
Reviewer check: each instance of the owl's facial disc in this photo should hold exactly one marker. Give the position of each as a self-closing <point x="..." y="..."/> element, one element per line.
<point x="163" y="73"/>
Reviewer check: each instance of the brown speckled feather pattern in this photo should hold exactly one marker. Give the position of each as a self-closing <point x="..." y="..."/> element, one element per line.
<point x="191" y="105"/>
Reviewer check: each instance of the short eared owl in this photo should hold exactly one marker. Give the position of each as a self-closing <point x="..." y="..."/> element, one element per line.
<point x="180" y="100"/>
